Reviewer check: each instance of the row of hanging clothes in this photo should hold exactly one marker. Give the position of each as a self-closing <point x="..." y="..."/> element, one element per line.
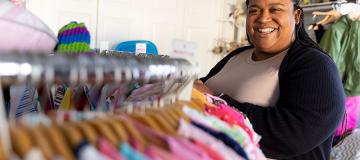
<point x="338" y="34"/>
<point x="115" y="106"/>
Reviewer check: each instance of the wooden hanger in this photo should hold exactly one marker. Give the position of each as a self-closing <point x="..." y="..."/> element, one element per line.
<point x="170" y="113"/>
<point x="174" y="116"/>
<point x="163" y="112"/>
<point x="59" y="142"/>
<point x="147" y="120"/>
<point x="162" y="123"/>
<point x="39" y="139"/>
<point x="20" y="141"/>
<point x="3" y="154"/>
<point x="178" y="110"/>
<point x="198" y="104"/>
<point x="73" y="134"/>
<point x="88" y="131"/>
<point x="118" y="130"/>
<point x="150" y="139"/>
<point x="133" y="133"/>
<point x="330" y="16"/>
<point x="104" y="130"/>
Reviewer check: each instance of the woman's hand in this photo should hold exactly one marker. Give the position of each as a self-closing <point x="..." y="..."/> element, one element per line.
<point x="200" y="86"/>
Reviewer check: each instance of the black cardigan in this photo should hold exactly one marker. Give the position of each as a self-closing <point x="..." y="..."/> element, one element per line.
<point x="310" y="107"/>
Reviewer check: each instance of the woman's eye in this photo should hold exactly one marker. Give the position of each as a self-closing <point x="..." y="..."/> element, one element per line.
<point x="275" y="9"/>
<point x="253" y="10"/>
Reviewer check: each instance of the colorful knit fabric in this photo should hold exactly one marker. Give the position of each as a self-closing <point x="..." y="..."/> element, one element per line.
<point x="73" y="38"/>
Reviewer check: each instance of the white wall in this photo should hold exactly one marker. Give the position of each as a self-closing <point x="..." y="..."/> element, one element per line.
<point x="159" y="21"/>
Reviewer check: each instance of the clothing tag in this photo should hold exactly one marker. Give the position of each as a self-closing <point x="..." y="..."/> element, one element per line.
<point x="140" y="48"/>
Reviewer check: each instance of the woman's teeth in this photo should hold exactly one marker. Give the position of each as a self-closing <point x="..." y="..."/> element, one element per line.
<point x="266" y="30"/>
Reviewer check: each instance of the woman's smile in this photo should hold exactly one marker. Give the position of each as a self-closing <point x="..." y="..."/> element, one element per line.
<point x="265" y="32"/>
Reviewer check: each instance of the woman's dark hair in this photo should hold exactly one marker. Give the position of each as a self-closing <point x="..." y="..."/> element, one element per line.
<point x="301" y="35"/>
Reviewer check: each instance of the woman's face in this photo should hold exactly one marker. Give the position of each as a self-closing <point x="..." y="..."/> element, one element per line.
<point x="270" y="24"/>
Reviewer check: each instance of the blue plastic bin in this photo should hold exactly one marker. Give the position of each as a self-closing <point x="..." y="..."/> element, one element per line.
<point x="130" y="46"/>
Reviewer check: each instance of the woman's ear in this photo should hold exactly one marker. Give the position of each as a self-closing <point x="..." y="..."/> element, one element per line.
<point x="298" y="16"/>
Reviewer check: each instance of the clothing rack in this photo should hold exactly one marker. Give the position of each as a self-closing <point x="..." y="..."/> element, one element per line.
<point x="40" y="69"/>
<point x="203" y="127"/>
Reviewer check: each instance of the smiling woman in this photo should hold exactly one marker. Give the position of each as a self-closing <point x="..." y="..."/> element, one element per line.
<point x="271" y="26"/>
<point x="285" y="84"/>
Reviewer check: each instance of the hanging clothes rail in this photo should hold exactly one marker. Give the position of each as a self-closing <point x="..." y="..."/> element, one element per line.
<point x="83" y="68"/>
<point x="37" y="70"/>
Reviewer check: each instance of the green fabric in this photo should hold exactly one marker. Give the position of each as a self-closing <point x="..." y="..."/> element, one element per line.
<point x="352" y="84"/>
<point x="341" y="42"/>
<point x="77" y="47"/>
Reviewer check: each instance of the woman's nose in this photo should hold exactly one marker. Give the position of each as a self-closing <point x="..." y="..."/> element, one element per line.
<point x="264" y="17"/>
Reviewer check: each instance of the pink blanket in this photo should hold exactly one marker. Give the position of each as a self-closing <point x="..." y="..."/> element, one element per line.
<point x="352" y="110"/>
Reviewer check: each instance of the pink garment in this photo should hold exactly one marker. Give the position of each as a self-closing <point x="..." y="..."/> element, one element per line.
<point x="231" y="117"/>
<point x="226" y="113"/>
<point x="190" y="146"/>
<point x="156" y="153"/>
<point x="179" y="147"/>
<point x="108" y="150"/>
<point x="352" y="106"/>
<point x="23" y="31"/>
<point x="211" y="152"/>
